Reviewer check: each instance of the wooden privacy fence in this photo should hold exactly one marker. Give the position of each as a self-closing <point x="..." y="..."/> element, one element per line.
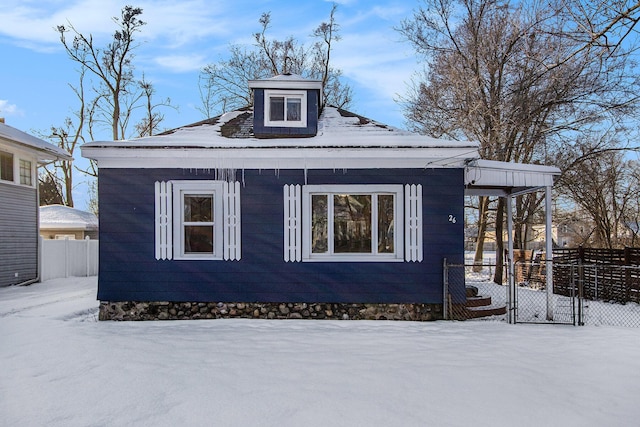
<point x="599" y="274"/>
<point x="67" y="258"/>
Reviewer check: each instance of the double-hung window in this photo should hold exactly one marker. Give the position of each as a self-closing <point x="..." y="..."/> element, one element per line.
<point x="360" y="223"/>
<point x="6" y="166"/>
<point x="197" y="220"/>
<point x="285" y="108"/>
<point x="197" y="213"/>
<point x="25" y="172"/>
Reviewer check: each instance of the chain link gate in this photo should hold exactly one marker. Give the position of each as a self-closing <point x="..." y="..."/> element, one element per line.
<point x="583" y="293"/>
<point x="525" y="301"/>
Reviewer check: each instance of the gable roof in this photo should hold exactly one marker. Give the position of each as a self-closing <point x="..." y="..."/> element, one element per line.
<point x="344" y="140"/>
<point x="44" y="151"/>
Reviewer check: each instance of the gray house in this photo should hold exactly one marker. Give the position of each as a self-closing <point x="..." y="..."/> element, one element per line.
<point x="20" y="156"/>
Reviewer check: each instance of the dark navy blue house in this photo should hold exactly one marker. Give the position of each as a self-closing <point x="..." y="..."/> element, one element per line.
<point x="287" y="204"/>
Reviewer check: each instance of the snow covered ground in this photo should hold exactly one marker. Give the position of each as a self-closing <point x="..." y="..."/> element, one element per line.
<point x="60" y="367"/>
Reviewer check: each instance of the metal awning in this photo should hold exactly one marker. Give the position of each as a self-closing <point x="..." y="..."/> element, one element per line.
<point x="500" y="179"/>
<point x="508" y="180"/>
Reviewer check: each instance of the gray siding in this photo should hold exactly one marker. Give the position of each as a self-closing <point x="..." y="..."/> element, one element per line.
<point x="18" y="234"/>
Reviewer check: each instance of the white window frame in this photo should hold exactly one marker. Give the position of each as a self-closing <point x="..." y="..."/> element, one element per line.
<point x="13" y="168"/>
<point x="182" y="188"/>
<point x="302" y="95"/>
<point x="28" y="167"/>
<point x="17" y="158"/>
<point x="366" y="189"/>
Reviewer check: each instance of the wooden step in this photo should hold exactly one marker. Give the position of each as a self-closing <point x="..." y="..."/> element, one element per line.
<point x="476" y="312"/>
<point x="478" y="301"/>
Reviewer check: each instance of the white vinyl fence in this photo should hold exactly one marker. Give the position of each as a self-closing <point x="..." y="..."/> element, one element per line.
<point x="67" y="258"/>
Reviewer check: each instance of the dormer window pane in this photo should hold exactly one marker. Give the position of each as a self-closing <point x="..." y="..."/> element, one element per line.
<point x="294" y="109"/>
<point x="276" y="108"/>
<point x="284" y="109"/>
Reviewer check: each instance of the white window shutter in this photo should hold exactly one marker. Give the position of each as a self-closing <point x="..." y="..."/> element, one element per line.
<point x="232" y="221"/>
<point x="413" y="222"/>
<point x="163" y="220"/>
<point x="292" y="223"/>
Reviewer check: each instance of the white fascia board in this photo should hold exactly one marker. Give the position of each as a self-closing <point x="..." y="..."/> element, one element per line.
<point x="308" y="84"/>
<point x="287" y="158"/>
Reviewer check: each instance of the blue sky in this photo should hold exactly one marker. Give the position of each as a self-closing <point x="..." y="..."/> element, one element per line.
<point x="180" y="37"/>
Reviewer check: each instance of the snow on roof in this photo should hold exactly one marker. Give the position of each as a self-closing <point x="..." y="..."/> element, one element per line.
<point x="58" y="216"/>
<point x="45" y="150"/>
<point x="336" y="128"/>
<point x="343" y="140"/>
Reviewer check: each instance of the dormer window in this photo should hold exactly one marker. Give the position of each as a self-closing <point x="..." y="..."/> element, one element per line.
<point x="285" y="108"/>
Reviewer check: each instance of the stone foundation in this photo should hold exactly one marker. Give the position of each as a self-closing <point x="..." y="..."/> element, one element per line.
<point x="130" y="310"/>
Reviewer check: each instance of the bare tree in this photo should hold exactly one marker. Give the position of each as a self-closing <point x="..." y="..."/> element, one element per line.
<point x="49" y="189"/>
<point x="150" y="122"/>
<point x="224" y="85"/>
<point x="605" y="186"/>
<point x="513" y="77"/>
<point x="112" y="66"/>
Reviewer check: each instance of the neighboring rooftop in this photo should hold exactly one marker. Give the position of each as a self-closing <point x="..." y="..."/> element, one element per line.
<point x="46" y="151"/>
<point x="58" y="216"/>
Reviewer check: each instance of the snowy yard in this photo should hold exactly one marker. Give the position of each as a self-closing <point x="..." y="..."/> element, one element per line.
<point x="60" y="367"/>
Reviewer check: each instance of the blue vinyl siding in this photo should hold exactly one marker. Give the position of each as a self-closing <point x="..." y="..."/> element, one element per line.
<point x="262" y="131"/>
<point x="129" y="271"/>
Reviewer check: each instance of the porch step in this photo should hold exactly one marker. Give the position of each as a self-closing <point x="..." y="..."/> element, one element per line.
<point x="476" y="312"/>
<point x="478" y="301"/>
<point x="480" y="306"/>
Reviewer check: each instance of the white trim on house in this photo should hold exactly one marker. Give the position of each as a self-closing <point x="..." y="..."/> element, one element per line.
<point x="300" y="157"/>
<point x="286" y="81"/>
<point x="292" y="223"/>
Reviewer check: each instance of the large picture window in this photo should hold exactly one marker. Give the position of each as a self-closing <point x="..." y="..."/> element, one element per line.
<point x="352" y="222"/>
<point x="287" y="109"/>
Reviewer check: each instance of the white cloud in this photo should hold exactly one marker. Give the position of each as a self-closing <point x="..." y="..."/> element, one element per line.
<point x="181" y="63"/>
<point x="32" y="23"/>
<point x="7" y="109"/>
<point x="376" y="61"/>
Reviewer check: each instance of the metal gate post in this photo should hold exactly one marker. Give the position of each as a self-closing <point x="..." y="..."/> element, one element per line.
<point x="511" y="305"/>
<point x="580" y="292"/>
<point x="445" y="289"/>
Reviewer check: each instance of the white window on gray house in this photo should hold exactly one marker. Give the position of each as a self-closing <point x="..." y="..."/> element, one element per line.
<point x="375" y="223"/>
<point x="25" y="173"/>
<point x="6" y="166"/>
<point x="197" y="220"/>
<point x="285" y="108"/>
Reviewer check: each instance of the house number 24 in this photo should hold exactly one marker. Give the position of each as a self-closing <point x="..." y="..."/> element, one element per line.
<point x="452" y="219"/>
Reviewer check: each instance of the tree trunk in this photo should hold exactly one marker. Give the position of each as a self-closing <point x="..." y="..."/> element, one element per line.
<point x="483" y="208"/>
